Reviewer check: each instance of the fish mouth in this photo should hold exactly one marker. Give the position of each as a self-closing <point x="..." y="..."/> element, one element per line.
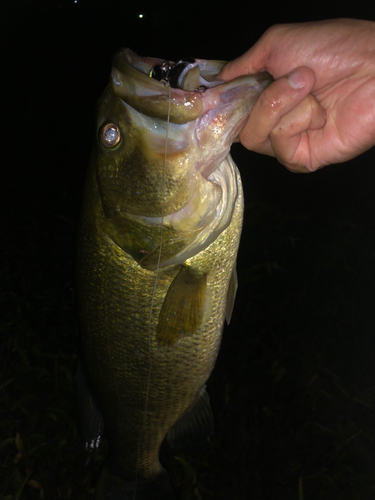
<point x="185" y="91"/>
<point x="179" y="91"/>
<point x="188" y="74"/>
<point x="164" y="89"/>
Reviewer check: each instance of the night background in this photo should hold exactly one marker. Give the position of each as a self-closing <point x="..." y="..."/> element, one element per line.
<point x="293" y="391"/>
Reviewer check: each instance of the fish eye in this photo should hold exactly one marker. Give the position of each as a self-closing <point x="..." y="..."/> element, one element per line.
<point x="110" y="135"/>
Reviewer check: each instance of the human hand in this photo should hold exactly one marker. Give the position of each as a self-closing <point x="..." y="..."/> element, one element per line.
<point x="321" y="107"/>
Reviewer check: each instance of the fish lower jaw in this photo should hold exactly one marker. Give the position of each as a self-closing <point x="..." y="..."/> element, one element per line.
<point x="224" y="178"/>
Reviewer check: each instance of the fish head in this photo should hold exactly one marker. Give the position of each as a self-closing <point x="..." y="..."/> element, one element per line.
<point x="163" y="128"/>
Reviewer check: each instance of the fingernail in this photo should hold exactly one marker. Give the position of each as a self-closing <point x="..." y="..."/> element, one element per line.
<point x="296" y="80"/>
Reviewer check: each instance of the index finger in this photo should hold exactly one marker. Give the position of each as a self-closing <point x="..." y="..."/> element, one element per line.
<point x="252" y="61"/>
<point x="243" y="65"/>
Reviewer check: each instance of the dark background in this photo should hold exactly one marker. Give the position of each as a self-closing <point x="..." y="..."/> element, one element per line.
<point x="293" y="392"/>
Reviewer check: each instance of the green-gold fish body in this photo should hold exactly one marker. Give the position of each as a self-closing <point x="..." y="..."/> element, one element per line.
<point x="158" y="239"/>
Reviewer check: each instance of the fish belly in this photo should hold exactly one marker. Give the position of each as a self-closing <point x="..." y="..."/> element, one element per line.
<point x="142" y="386"/>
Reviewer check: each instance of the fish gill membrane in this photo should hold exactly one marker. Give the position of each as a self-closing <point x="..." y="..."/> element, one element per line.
<point x="156" y="261"/>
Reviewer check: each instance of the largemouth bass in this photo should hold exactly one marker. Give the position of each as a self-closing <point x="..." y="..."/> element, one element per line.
<point x="158" y="239"/>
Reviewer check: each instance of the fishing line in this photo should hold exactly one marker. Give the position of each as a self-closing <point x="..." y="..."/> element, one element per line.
<point x="166" y="83"/>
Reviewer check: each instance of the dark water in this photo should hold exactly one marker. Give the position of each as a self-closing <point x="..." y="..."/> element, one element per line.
<point x="293" y="392"/>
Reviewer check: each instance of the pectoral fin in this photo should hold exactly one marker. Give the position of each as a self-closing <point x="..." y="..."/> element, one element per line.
<point x="231" y="294"/>
<point x="195" y="427"/>
<point x="182" y="310"/>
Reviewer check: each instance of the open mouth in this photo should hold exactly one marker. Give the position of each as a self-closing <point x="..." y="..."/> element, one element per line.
<point x="188" y="74"/>
<point x="185" y="74"/>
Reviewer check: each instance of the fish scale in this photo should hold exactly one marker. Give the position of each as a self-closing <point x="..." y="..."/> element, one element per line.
<point x="106" y="348"/>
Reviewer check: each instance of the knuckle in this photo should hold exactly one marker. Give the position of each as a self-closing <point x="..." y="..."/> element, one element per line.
<point x="255" y="143"/>
<point x="274" y="30"/>
<point x="269" y="101"/>
<point x="280" y="131"/>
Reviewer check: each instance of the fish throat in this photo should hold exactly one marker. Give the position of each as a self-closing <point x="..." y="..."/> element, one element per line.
<point x="166" y="83"/>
